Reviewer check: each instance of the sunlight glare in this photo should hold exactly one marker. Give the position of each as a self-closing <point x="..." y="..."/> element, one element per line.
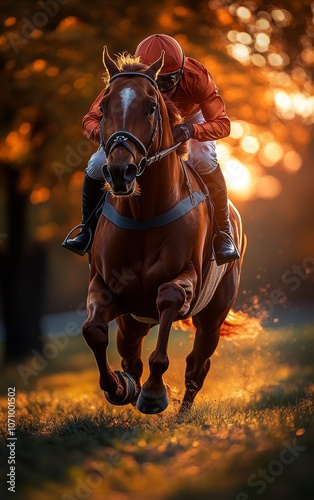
<point x="223" y="151"/>
<point x="238" y="178"/>
<point x="295" y="104"/>
<point x="284" y="104"/>
<point x="282" y="100"/>
<point x="303" y="105"/>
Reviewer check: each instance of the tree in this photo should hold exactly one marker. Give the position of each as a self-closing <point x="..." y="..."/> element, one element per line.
<point x="259" y="53"/>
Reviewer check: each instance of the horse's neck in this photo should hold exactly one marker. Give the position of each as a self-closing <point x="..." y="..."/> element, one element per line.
<point x="162" y="187"/>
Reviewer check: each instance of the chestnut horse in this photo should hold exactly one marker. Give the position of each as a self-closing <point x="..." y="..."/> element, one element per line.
<point x="152" y="246"/>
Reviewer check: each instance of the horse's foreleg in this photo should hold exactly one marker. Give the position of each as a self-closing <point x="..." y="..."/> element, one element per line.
<point x="129" y="343"/>
<point x="173" y="298"/>
<point x="102" y="308"/>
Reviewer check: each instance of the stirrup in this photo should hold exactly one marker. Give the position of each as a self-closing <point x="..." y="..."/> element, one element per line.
<point x="233" y="256"/>
<point x="69" y="247"/>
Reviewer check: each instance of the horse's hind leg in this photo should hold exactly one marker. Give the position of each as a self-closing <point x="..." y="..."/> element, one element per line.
<point x="208" y="323"/>
<point x="129" y="343"/>
<point x="198" y="361"/>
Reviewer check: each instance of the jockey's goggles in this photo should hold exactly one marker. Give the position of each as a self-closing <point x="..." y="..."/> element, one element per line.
<point x="168" y="81"/>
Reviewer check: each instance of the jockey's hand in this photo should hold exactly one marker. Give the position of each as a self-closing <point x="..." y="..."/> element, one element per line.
<point x="182" y="132"/>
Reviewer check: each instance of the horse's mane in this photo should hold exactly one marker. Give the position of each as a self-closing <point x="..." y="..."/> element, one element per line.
<point x="127" y="62"/>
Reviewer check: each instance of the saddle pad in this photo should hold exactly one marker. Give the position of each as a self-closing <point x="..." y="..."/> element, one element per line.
<point x="211" y="281"/>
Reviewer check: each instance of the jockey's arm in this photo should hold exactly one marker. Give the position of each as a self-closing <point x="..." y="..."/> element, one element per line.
<point x="217" y="123"/>
<point x="91" y="121"/>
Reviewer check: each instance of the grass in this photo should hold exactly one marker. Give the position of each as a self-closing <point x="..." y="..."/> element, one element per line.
<point x="249" y="436"/>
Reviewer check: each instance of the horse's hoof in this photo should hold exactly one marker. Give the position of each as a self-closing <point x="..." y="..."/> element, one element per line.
<point x="131" y="390"/>
<point x="151" y="405"/>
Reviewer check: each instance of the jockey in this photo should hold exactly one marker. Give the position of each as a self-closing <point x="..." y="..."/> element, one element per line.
<point x="191" y="87"/>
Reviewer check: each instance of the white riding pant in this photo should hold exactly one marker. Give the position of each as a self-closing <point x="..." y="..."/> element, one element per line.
<point x="202" y="155"/>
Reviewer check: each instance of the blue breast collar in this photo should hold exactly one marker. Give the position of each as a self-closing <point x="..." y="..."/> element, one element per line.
<point x="182" y="208"/>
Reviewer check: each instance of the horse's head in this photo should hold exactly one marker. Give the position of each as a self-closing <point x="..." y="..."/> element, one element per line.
<point x="131" y="122"/>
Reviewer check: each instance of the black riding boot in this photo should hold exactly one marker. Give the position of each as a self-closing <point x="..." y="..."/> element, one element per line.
<point x="91" y="196"/>
<point x="223" y="243"/>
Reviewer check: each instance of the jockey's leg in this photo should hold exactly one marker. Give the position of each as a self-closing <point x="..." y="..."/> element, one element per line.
<point x="203" y="158"/>
<point x="224" y="246"/>
<point x="91" y="196"/>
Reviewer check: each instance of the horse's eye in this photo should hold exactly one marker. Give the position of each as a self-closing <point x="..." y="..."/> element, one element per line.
<point x="152" y="109"/>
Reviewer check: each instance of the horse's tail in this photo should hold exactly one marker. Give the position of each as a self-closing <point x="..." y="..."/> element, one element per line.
<point x="241" y="324"/>
<point x="236" y="323"/>
<point x="185" y="325"/>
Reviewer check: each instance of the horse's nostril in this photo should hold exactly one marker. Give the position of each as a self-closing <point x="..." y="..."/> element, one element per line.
<point x="130" y="173"/>
<point x="106" y="172"/>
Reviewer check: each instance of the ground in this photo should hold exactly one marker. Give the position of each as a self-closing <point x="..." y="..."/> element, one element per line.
<point x="250" y="434"/>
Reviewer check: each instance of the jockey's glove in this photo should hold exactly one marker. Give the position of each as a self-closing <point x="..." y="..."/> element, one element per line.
<point x="182" y="132"/>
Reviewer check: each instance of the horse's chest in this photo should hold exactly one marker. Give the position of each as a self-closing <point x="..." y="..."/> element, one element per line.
<point x="132" y="272"/>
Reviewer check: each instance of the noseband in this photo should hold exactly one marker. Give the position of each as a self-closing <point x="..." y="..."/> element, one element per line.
<point x="121" y="137"/>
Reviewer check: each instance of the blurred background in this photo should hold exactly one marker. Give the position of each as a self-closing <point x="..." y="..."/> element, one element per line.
<point x="261" y="57"/>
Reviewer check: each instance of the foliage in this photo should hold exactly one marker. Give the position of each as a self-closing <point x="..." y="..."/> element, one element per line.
<point x="51" y="60"/>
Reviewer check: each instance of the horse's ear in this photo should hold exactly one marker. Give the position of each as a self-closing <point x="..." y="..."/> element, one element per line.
<point x="156" y="66"/>
<point x="109" y="64"/>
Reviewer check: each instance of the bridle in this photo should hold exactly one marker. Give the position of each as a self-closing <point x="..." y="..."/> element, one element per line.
<point x="121" y="137"/>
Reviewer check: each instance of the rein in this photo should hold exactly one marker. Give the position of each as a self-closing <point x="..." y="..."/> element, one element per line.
<point x="121" y="137"/>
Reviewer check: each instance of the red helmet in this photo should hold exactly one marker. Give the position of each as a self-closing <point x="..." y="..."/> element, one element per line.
<point x="150" y="49"/>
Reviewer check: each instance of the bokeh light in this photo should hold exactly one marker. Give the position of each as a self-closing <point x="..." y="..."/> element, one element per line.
<point x="271" y="154"/>
<point x="292" y="161"/>
<point x="238" y="178"/>
<point x="40" y="194"/>
<point x="250" y="144"/>
<point x="268" y="187"/>
<point x="243" y="13"/>
<point x="262" y="41"/>
<point x="240" y="52"/>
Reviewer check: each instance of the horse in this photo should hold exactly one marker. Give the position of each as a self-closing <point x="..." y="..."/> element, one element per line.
<point x="151" y="259"/>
